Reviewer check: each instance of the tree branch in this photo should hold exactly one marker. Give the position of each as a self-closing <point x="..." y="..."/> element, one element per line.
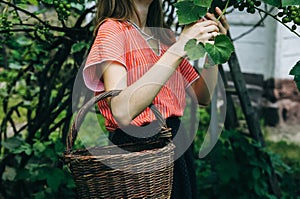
<point x="274" y="17"/>
<point x="254" y="27"/>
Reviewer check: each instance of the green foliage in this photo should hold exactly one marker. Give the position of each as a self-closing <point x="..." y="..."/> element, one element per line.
<point x="221" y="51"/>
<point x="238" y="167"/>
<point x="276" y="3"/>
<point x="188" y="12"/>
<point x="42" y="170"/>
<point x="194" y="50"/>
<point x="296" y="72"/>
<point x="43" y="44"/>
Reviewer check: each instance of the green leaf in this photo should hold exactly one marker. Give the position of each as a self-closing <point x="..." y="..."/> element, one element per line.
<point x="297" y="80"/>
<point x="221" y="51"/>
<point x="296" y="72"/>
<point x="33" y="2"/>
<point x="296" y="69"/>
<point x="188" y="12"/>
<point x="25" y="147"/>
<point x="12" y="143"/>
<point x="256" y="173"/>
<point x="77" y="47"/>
<point x="203" y="3"/>
<point x="23" y="41"/>
<point x="55" y="178"/>
<point x="47" y="1"/>
<point x="276" y="3"/>
<point x="290" y="2"/>
<point x="194" y="51"/>
<point x="38" y="147"/>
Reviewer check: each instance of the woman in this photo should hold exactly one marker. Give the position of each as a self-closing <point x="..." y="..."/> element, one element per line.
<point x="148" y="65"/>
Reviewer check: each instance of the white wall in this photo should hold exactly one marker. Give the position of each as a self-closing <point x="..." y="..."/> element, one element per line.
<point x="270" y="49"/>
<point x="287" y="51"/>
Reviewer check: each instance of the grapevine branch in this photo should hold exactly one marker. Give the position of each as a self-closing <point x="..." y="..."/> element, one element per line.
<point x="23" y="10"/>
<point x="274" y="17"/>
<point x="254" y="27"/>
<point x="55" y="28"/>
<point x="17" y="30"/>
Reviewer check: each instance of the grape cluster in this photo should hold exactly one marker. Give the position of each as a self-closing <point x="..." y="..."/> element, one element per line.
<point x="249" y="5"/>
<point x="62" y="8"/>
<point x="290" y="14"/>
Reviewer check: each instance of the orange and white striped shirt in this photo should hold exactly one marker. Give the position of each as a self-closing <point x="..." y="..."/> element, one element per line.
<point x="123" y="42"/>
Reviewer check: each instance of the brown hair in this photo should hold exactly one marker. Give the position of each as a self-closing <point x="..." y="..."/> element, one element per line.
<point x="123" y="10"/>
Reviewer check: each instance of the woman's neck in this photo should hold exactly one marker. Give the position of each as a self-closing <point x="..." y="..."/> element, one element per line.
<point x="142" y="7"/>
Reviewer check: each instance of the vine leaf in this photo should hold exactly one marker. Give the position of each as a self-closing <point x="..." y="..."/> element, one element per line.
<point x="194" y="51"/>
<point x="276" y="3"/>
<point x="290" y="2"/>
<point x="221" y="51"/>
<point x="203" y="3"/>
<point x="188" y="12"/>
<point x="296" y="72"/>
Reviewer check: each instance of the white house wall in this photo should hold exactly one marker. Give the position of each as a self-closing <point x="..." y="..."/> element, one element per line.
<point x="270" y="49"/>
<point x="287" y="52"/>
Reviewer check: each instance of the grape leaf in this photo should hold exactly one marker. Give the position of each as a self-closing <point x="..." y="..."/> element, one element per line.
<point x="203" y="3"/>
<point x="290" y="2"/>
<point x="296" y="71"/>
<point x="221" y="51"/>
<point x="47" y="1"/>
<point x="188" y="12"/>
<point x="297" y="81"/>
<point x="194" y="51"/>
<point x="276" y="3"/>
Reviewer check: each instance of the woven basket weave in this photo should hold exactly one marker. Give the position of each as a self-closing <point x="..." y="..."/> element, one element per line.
<point x="140" y="170"/>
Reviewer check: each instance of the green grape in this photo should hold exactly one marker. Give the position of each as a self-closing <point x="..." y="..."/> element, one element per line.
<point x="236" y="5"/>
<point x="248" y="4"/>
<point x="280" y="14"/>
<point x="286" y="19"/>
<point x="294" y="27"/>
<point x="292" y="8"/>
<point x="297" y="20"/>
<point x="251" y="10"/>
<point x="294" y="13"/>
<point x="257" y="3"/>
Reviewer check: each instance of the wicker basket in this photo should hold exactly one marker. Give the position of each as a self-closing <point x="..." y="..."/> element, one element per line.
<point x="139" y="170"/>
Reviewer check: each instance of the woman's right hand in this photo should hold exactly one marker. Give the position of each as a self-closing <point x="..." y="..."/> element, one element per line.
<point x="203" y="31"/>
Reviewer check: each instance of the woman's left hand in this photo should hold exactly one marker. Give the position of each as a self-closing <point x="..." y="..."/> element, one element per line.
<point x="222" y="22"/>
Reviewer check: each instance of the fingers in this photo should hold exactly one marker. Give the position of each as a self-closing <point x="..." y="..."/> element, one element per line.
<point x="222" y="22"/>
<point x="205" y="23"/>
<point x="202" y="31"/>
<point x="209" y="29"/>
<point x="225" y="25"/>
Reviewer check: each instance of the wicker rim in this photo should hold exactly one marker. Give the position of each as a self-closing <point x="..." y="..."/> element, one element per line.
<point x="73" y="132"/>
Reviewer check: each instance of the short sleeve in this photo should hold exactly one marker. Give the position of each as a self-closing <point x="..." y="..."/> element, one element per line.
<point x="188" y="72"/>
<point x="109" y="45"/>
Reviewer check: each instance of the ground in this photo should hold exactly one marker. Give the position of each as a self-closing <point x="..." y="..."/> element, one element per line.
<point x="285" y="132"/>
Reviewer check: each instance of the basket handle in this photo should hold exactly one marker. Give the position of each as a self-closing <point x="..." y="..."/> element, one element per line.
<point x="84" y="109"/>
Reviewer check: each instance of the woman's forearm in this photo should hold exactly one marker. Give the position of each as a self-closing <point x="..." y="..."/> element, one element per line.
<point x="203" y="87"/>
<point x="136" y="97"/>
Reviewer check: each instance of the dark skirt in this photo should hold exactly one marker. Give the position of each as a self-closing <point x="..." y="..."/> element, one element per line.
<point x="184" y="180"/>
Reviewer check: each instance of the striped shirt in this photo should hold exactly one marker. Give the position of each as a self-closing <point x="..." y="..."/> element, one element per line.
<point x="124" y="43"/>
